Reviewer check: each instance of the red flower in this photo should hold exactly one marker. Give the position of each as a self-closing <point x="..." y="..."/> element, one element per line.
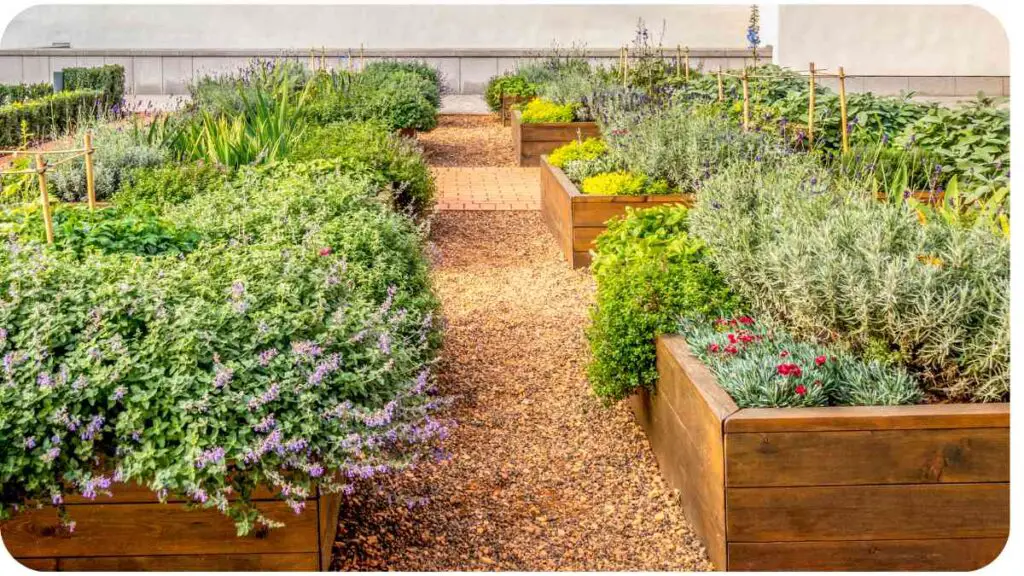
<point x="713" y="347"/>
<point x="746" y="320"/>
<point x="746" y="338"/>
<point x="731" y="349"/>
<point x="817" y="382"/>
<point x="325" y="251"/>
<point x="732" y="338"/>
<point x="800" y="390"/>
<point x="820" y="360"/>
<point x="788" y="369"/>
<point x="784" y="354"/>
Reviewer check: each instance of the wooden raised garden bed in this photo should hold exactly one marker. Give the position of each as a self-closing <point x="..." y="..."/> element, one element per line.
<point x="535" y="140"/>
<point x="922" y="487"/>
<point x="133" y="532"/>
<point x="576" y="218"/>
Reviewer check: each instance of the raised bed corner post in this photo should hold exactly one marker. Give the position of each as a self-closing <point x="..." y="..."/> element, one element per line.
<point x="44" y="198"/>
<point x="810" y="108"/>
<point x="842" y="110"/>
<point x="90" y="182"/>
<point x="746" y="102"/>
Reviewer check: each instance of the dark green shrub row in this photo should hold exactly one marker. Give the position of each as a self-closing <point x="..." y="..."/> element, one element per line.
<point x="48" y="116"/>
<point x="109" y="79"/>
<point x="10" y="93"/>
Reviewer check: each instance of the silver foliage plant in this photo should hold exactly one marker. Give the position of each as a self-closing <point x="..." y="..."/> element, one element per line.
<point x="823" y="258"/>
<point x="117" y="154"/>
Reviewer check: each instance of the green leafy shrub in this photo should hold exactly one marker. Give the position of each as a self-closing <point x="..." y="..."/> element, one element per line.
<point x="164" y="185"/>
<point x="622" y="184"/>
<point x="227" y="93"/>
<point x="108" y="79"/>
<point x="110" y="230"/>
<point x="422" y="69"/>
<point x="825" y="259"/>
<point x="649" y="271"/>
<point x="766" y="368"/>
<point x="288" y="350"/>
<point x="589" y="149"/>
<point x="10" y="93"/>
<point x="540" y="110"/>
<point x="117" y="154"/>
<point x="48" y="116"/>
<point x="400" y="99"/>
<point x="370" y="148"/>
<point x="508" y="84"/>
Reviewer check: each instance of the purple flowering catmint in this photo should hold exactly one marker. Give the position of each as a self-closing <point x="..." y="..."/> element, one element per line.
<point x="237" y="289"/>
<point x="3" y="335"/>
<point x="118" y="394"/>
<point x="421" y="382"/>
<point x="44" y="380"/>
<point x="307" y="349"/>
<point x="211" y="456"/>
<point x="57" y="498"/>
<point x="94" y="427"/>
<point x="266" y="424"/>
<point x="296" y="445"/>
<point x="29" y="442"/>
<point x="348" y="489"/>
<point x="388" y="300"/>
<point x="51" y="455"/>
<point x="198" y="495"/>
<point x="266" y="356"/>
<point x="297" y="506"/>
<point x="223" y="376"/>
<point x="384" y="343"/>
<point x="381" y="417"/>
<point x="316" y="471"/>
<point x="324" y="369"/>
<point x="358" y="337"/>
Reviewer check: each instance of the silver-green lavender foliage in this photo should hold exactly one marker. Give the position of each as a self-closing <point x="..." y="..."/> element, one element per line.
<point x="826" y="260"/>
<point x="686" y="147"/>
<point x="580" y="170"/>
<point x="117" y="154"/>
<point x="762" y="367"/>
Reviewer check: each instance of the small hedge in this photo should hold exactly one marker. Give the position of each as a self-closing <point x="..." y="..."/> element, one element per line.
<point x="109" y="79"/>
<point x="48" y="116"/>
<point x="507" y="85"/>
<point x="10" y="93"/>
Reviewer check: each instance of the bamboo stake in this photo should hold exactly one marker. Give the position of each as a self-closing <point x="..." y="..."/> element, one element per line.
<point x="810" y="108"/>
<point x="44" y="197"/>
<point x="622" y="60"/>
<point x="625" y="66"/>
<point x="90" y="183"/>
<point x="686" y="63"/>
<point x="362" y="58"/>
<point x="312" y="61"/>
<point x="679" y="59"/>
<point x="746" y="102"/>
<point x="842" y="110"/>
<point x="721" y="88"/>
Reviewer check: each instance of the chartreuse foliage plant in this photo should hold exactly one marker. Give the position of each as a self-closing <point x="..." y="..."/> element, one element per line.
<point x="540" y="110"/>
<point x="821" y="256"/>
<point x="622" y="184"/>
<point x="589" y="149"/>
<point x="289" y="347"/>
<point x="650" y="271"/>
<point x="762" y="367"/>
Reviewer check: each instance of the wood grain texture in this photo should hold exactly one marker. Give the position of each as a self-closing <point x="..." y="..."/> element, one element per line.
<point x="302" y="562"/>
<point x="328" y="508"/>
<point x="531" y="141"/>
<point x="868" y="457"/>
<point x="134" y="493"/>
<point x="556" y="206"/>
<point x="883" y="512"/>
<point x="115" y="530"/>
<point x="962" y="554"/>
<point x="38" y="564"/>
<point x="870" y="418"/>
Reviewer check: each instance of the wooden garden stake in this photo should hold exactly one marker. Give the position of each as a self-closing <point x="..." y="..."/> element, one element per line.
<point x="625" y="65"/>
<point x="721" y="88"/>
<point x="746" y="102"/>
<point x="362" y="57"/>
<point x="686" y="63"/>
<point x="312" y="60"/>
<point x="810" y="108"/>
<point x="44" y="197"/>
<point x="90" y="183"/>
<point x="679" y="59"/>
<point x="842" y="110"/>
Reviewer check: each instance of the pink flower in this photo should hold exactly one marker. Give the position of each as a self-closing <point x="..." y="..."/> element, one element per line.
<point x="714" y="347"/>
<point x="800" y="390"/>
<point x="325" y="251"/>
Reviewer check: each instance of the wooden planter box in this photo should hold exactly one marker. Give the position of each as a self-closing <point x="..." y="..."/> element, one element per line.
<point x="133" y="531"/>
<point x="921" y="487"/>
<point x="534" y="140"/>
<point x="576" y="218"/>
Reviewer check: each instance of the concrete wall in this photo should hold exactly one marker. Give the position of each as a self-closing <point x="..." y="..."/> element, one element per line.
<point x="952" y="50"/>
<point x="377" y="26"/>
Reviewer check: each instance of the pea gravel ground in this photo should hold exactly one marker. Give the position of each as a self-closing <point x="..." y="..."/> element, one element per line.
<point x="540" y="476"/>
<point x="468" y="140"/>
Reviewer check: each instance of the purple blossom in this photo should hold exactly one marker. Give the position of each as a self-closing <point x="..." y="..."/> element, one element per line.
<point x="324" y="368"/>
<point x="118" y="394"/>
<point x="384" y="343"/>
<point x="348" y="489"/>
<point x="421" y="382"/>
<point x="266" y="424"/>
<point x="306" y="349"/>
<point x="79" y="383"/>
<point x="30" y="442"/>
<point x="51" y="454"/>
<point x="199" y="495"/>
<point x="94" y="426"/>
<point x="44" y="380"/>
<point x="340" y="411"/>
<point x="296" y="445"/>
<point x="297" y="506"/>
<point x="211" y="456"/>
<point x="267" y="397"/>
<point x="222" y="376"/>
<point x="386" y="305"/>
<point x="382" y="416"/>
<point x="57" y="498"/>
<point x="237" y="289"/>
<point x="267" y="355"/>
<point x="316" y="471"/>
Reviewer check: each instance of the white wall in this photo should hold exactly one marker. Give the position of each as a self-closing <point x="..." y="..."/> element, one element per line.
<point x="376" y="26"/>
<point x="910" y="40"/>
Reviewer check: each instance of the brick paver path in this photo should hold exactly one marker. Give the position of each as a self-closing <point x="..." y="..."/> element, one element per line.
<point x="487" y="188"/>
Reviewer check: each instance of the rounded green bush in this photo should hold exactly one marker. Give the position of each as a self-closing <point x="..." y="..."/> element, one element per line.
<point x="507" y="85"/>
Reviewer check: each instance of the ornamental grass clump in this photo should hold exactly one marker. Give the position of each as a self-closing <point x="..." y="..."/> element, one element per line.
<point x="761" y="367"/>
<point x="821" y="256"/>
<point x="290" y="349"/>
<point x="650" y="271"/>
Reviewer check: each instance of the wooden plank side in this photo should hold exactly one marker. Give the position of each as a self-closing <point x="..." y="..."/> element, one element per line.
<point x="700" y="379"/>
<point x="868" y="457"/>
<point x="885" y="512"/>
<point x="328" y="508"/>
<point x="581" y="259"/>
<point x="115" y="530"/>
<point x="590" y="213"/>
<point x="300" y="562"/>
<point x="584" y="237"/>
<point x="38" y="564"/>
<point x="563" y="132"/>
<point x="134" y="493"/>
<point x="556" y="207"/>
<point x="870" y="418"/>
<point x="962" y="554"/>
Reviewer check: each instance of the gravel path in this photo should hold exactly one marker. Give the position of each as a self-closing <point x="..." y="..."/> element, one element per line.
<point x="541" y="476"/>
<point x="468" y="140"/>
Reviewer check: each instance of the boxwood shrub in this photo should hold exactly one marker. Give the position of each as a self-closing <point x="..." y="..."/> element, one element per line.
<point x="20" y="92"/>
<point x="47" y="116"/>
<point x="108" y="79"/>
